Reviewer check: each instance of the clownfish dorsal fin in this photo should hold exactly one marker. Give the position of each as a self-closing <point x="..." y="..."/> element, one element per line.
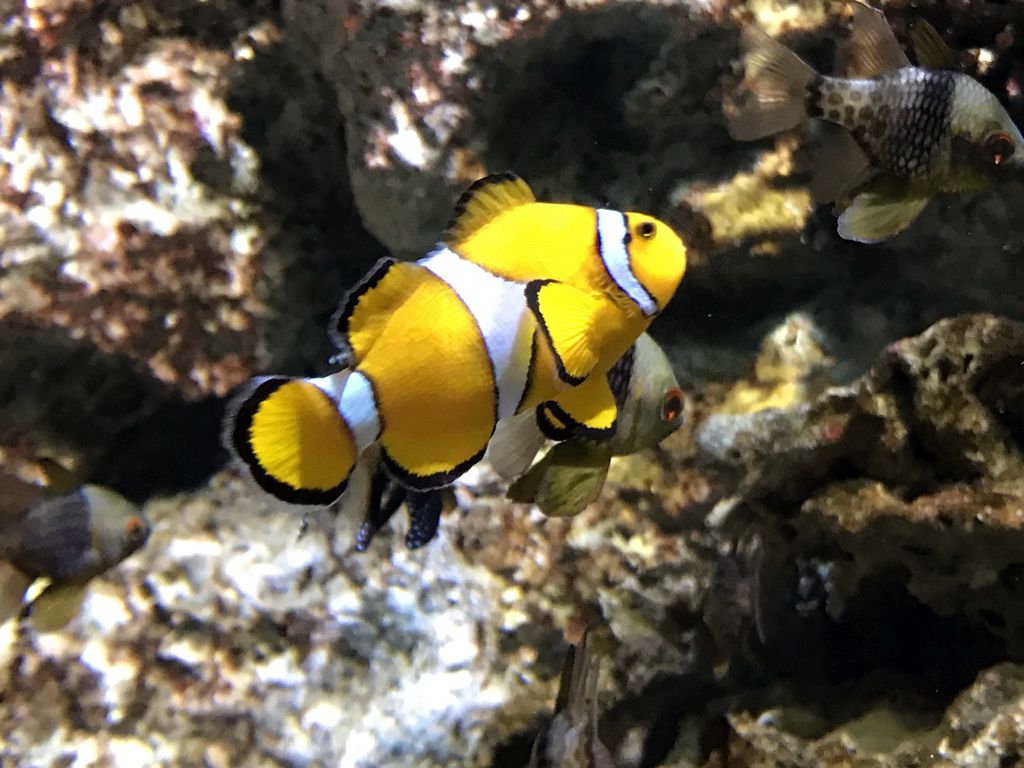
<point x="875" y="49"/>
<point x="931" y="50"/>
<point x="570" y="322"/>
<point x="483" y="201"/>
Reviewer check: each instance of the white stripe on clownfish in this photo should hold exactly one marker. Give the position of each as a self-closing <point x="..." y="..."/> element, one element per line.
<point x="352" y="394"/>
<point x="499" y="308"/>
<point x="613" y="248"/>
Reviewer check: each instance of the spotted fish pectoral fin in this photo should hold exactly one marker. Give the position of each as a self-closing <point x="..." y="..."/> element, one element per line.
<point x="840" y="165"/>
<point x="484" y="201"/>
<point x="874" y="46"/>
<point x="777" y="80"/>
<point x="588" y="412"/>
<point x="873" y="216"/>
<point x="13" y="584"/>
<point x="931" y="50"/>
<point x="566" y="480"/>
<point x="293" y="440"/>
<point x="570" y="322"/>
<point x="56" y="606"/>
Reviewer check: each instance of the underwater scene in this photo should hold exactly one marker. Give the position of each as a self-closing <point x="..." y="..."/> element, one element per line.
<point x="512" y="383"/>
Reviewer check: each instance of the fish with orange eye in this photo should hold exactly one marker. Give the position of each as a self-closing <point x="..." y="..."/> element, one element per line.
<point x="900" y="134"/>
<point x="570" y="475"/>
<point x="69" y="539"/>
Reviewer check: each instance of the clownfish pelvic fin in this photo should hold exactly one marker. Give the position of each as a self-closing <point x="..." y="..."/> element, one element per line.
<point x="300" y="438"/>
<point x="483" y="201"/>
<point x="587" y="412"/>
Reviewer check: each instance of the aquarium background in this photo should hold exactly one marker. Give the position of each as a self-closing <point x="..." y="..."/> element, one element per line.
<point x="823" y="567"/>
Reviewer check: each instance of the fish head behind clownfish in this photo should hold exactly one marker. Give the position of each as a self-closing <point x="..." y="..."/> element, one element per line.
<point x="651" y="403"/>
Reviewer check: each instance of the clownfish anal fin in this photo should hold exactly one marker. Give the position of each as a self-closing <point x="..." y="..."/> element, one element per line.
<point x="356" y="300"/>
<point x="484" y="200"/>
<point x="569" y="322"/>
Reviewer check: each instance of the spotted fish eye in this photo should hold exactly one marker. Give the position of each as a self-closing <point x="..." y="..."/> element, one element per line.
<point x="646" y="229"/>
<point x="672" y="405"/>
<point x="999" y="146"/>
<point x="135" y="529"/>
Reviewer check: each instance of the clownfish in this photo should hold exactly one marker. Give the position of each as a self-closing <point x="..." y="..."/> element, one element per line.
<point x="522" y="304"/>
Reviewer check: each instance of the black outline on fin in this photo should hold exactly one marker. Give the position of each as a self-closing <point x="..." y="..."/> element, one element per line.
<point x="504" y="177"/>
<point x="237" y="422"/>
<point x="430" y="482"/>
<point x="532" y="292"/>
<point x="338" y="328"/>
<point x="574" y="429"/>
<point x="548" y="428"/>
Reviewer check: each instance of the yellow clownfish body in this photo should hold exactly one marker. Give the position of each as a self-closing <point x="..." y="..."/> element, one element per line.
<point x="522" y="305"/>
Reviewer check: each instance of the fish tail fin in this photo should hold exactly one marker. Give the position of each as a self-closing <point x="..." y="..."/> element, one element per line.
<point x="778" y="80"/>
<point x="13" y="584"/>
<point x="300" y="438"/>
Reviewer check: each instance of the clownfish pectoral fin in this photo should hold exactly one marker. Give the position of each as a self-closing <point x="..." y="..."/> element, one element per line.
<point x="484" y="200"/>
<point x="588" y="412"/>
<point x="570" y="321"/>
<point x="292" y="439"/>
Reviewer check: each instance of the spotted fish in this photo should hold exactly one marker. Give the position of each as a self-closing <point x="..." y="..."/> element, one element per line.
<point x="572" y="474"/>
<point x="901" y="133"/>
<point x="68" y="539"/>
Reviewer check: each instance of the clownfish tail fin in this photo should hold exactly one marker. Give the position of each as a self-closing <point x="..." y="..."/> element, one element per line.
<point x="300" y="438"/>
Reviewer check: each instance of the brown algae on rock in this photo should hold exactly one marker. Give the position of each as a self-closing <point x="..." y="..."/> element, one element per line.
<point x="183" y="194"/>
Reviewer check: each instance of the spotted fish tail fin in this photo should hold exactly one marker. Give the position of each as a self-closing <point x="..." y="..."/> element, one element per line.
<point x="777" y="80"/>
<point x="300" y="438"/>
<point x="13" y="584"/>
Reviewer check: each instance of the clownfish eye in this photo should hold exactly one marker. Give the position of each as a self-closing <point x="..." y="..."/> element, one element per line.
<point x="999" y="147"/>
<point x="672" y="405"/>
<point x="646" y="229"/>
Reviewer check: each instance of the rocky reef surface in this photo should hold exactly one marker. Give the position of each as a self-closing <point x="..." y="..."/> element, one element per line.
<point x="823" y="568"/>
